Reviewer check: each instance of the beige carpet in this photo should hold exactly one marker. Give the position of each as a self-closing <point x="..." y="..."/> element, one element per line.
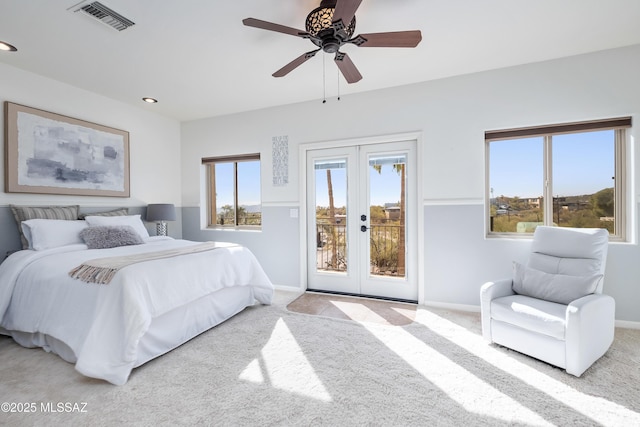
<point x="354" y="308"/>
<point x="271" y="367"/>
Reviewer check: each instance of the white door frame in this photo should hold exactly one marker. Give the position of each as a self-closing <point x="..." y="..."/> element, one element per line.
<point x="419" y="205"/>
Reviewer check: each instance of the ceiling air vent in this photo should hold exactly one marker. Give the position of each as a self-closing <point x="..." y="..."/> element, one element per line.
<point x="103" y="14"/>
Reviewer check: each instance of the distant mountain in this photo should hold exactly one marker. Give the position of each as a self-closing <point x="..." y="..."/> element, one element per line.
<point x="248" y="208"/>
<point x="252" y="208"/>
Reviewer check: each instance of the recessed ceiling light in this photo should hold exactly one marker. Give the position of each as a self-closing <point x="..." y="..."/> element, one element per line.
<point x="149" y="100"/>
<point x="7" y="47"/>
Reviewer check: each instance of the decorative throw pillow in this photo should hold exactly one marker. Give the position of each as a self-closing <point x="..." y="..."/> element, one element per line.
<point x="51" y="233"/>
<point x="558" y="288"/>
<point x="115" y="212"/>
<point x="131" y="220"/>
<point x="102" y="237"/>
<point x="24" y="213"/>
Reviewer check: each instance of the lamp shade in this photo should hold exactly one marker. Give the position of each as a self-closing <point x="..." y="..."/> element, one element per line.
<point x="161" y="212"/>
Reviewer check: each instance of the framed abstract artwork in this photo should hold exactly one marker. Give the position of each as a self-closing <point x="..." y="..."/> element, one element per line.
<point x="49" y="153"/>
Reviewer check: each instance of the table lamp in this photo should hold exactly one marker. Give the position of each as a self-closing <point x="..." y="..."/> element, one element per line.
<point x="160" y="213"/>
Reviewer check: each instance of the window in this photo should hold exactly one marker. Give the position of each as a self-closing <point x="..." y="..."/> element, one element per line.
<point x="570" y="175"/>
<point x="234" y="191"/>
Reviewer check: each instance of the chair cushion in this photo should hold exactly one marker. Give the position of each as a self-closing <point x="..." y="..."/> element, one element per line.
<point x="560" y="288"/>
<point x="565" y="242"/>
<point x="570" y="266"/>
<point x="543" y="317"/>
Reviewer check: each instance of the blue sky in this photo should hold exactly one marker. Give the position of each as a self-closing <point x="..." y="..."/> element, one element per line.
<point x="582" y="164"/>
<point x="248" y="183"/>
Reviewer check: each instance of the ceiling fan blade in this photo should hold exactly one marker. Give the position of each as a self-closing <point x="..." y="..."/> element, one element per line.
<point x="394" y="39"/>
<point x="295" y="63"/>
<point x="265" y="25"/>
<point x="345" y="10"/>
<point x="347" y="68"/>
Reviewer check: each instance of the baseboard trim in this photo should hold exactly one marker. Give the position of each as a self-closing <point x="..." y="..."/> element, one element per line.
<point x="451" y="306"/>
<point x="288" y="288"/>
<point x="626" y="324"/>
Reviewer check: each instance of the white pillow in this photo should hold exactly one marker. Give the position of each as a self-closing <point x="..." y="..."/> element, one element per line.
<point x="44" y="234"/>
<point x="131" y="220"/>
<point x="559" y="288"/>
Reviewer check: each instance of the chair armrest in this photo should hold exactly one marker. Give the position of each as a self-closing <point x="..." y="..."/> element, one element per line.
<point x="488" y="292"/>
<point x="497" y="289"/>
<point x="589" y="332"/>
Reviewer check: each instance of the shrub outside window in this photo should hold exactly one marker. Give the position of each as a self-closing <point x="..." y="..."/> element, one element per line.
<point x="567" y="175"/>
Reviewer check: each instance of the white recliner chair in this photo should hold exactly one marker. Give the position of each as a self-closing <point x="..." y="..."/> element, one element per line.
<point x="553" y="308"/>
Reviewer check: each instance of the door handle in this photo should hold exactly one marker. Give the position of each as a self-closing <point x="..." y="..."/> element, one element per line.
<point x="363" y="228"/>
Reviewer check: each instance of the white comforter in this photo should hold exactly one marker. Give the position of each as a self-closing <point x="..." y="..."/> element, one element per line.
<point x="102" y="324"/>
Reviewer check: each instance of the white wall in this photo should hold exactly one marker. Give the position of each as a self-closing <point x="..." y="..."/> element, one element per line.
<point x="154" y="141"/>
<point x="452" y="116"/>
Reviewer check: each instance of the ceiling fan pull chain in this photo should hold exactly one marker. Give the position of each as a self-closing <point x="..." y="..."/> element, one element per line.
<point x="324" y="82"/>
<point x="338" y="84"/>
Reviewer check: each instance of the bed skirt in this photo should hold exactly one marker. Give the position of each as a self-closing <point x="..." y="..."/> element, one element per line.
<point x="166" y="332"/>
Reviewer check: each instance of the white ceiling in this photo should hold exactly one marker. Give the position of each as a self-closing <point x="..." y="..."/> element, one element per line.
<point x="198" y="60"/>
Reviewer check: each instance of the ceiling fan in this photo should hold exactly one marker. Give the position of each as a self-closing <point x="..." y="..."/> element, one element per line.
<point x="330" y="26"/>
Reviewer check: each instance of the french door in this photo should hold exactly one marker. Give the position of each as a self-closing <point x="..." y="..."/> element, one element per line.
<point x="361" y="220"/>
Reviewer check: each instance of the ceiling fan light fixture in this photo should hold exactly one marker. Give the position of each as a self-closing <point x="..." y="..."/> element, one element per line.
<point x="320" y="21"/>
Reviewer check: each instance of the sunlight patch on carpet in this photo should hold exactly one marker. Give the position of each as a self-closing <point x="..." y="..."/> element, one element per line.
<point x="284" y="366"/>
<point x="600" y="410"/>
<point x="253" y="372"/>
<point x="453" y="379"/>
<point x="358" y="312"/>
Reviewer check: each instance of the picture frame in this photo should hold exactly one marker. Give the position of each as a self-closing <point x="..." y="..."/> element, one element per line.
<point x="49" y="153"/>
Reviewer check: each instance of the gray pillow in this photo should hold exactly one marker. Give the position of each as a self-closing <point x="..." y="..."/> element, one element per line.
<point x="560" y="288"/>
<point x="23" y="213"/>
<point x="103" y="236"/>
<point x="115" y="212"/>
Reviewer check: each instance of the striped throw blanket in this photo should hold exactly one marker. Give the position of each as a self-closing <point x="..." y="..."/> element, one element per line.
<point x="102" y="270"/>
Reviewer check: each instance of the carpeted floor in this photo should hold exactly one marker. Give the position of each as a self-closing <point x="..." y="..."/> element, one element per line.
<point x="269" y="366"/>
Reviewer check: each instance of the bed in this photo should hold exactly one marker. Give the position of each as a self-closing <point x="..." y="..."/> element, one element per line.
<point x="162" y="293"/>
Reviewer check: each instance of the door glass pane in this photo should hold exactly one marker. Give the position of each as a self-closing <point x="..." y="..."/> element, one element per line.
<point x="387" y="215"/>
<point x="331" y="215"/>
<point x="516" y="185"/>
<point x="583" y="180"/>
